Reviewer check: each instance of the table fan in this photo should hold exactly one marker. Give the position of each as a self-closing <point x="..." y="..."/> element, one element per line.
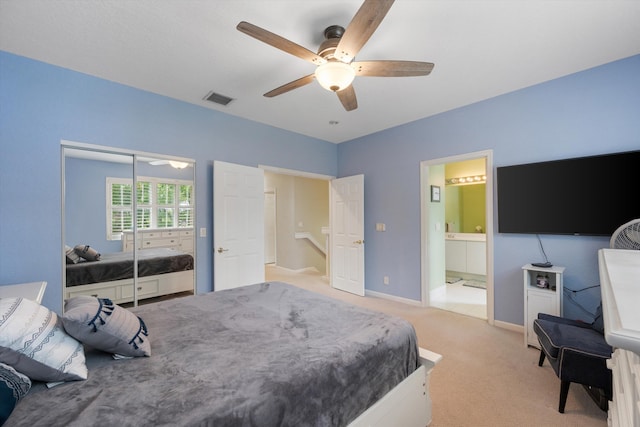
<point x="627" y="236"/>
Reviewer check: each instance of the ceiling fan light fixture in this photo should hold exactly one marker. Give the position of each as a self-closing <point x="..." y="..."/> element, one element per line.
<point x="335" y="75"/>
<point x="178" y="165"/>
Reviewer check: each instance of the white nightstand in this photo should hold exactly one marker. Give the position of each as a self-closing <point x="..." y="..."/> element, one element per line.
<point x="33" y="291"/>
<point x="546" y="299"/>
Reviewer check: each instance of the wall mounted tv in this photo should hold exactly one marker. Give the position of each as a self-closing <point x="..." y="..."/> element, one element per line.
<point x="581" y="196"/>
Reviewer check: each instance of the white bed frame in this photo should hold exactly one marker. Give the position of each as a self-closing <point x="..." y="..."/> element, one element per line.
<point x="121" y="291"/>
<point x="408" y="404"/>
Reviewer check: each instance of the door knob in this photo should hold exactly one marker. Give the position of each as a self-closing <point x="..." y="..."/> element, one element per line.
<point x="220" y="250"/>
<point x="358" y="242"/>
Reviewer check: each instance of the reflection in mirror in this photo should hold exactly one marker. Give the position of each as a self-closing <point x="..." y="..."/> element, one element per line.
<point x="465" y="208"/>
<point x="165" y="208"/>
<point x="106" y="199"/>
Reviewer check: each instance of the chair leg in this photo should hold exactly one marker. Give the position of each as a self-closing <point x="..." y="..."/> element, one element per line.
<point x="541" y="361"/>
<point x="564" y="391"/>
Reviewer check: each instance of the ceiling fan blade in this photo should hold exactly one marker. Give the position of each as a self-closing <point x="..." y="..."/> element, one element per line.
<point x="392" y="68"/>
<point x="361" y="27"/>
<point x="302" y="81"/>
<point x="348" y="98"/>
<point x="280" y="43"/>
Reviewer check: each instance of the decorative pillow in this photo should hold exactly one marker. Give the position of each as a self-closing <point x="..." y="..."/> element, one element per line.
<point x="71" y="255"/>
<point x="33" y="341"/>
<point x="87" y="252"/>
<point x="13" y="387"/>
<point x="106" y="326"/>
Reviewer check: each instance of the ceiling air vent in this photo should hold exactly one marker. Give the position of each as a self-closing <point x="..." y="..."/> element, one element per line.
<point x="217" y="98"/>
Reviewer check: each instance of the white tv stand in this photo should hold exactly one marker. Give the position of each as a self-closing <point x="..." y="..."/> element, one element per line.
<point x="540" y="300"/>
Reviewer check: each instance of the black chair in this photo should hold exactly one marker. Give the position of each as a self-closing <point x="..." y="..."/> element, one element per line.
<point x="578" y="353"/>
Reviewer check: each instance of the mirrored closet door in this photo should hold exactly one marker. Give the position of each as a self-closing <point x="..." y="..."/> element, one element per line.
<point x="128" y="225"/>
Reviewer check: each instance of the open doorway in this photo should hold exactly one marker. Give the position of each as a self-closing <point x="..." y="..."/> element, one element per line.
<point x="296" y="225"/>
<point x="457" y="218"/>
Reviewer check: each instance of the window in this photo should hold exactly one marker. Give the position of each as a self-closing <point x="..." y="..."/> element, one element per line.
<point x="161" y="203"/>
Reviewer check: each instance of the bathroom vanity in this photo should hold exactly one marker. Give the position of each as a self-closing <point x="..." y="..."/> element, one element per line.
<point x="466" y="253"/>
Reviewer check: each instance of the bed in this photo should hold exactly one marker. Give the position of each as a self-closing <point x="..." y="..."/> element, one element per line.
<point x="161" y="271"/>
<point x="268" y="354"/>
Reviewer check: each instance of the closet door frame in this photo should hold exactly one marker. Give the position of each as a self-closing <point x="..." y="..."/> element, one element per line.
<point x="136" y="156"/>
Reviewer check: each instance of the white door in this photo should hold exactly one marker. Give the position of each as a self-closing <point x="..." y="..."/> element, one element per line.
<point x="238" y="225"/>
<point x="347" y="234"/>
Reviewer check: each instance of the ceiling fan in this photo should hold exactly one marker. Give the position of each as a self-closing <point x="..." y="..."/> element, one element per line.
<point x="335" y="63"/>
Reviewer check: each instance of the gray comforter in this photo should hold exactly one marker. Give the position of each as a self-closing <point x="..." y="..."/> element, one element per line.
<point x="263" y="355"/>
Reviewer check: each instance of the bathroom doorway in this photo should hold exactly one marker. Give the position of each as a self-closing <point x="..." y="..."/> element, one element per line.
<point x="457" y="234"/>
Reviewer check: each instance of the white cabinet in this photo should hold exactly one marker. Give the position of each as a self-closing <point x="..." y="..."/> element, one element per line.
<point x="477" y="258"/>
<point x="177" y="238"/>
<point x="455" y="252"/>
<point x="465" y="256"/>
<point x="542" y="294"/>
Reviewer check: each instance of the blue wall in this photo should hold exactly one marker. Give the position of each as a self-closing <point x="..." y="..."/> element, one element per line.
<point x="591" y="112"/>
<point x="85" y="198"/>
<point x="41" y="104"/>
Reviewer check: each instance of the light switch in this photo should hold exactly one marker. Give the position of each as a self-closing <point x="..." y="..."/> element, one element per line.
<point x="203" y="232"/>
<point x="380" y="226"/>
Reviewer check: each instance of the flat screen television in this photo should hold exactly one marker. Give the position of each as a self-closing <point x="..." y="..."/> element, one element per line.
<point x="580" y="196"/>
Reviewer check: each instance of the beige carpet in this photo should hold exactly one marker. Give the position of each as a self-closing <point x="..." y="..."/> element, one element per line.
<point x="486" y="378"/>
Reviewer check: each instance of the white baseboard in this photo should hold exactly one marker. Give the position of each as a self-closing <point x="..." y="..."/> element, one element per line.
<point x="393" y="298"/>
<point x="298" y="271"/>
<point x="510" y="326"/>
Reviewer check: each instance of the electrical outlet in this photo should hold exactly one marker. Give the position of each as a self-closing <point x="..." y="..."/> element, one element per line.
<point x="385" y="280"/>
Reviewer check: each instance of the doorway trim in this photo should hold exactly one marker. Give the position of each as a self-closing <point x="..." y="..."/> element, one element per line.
<point x="425" y="236"/>
<point x="294" y="172"/>
<point x="310" y="175"/>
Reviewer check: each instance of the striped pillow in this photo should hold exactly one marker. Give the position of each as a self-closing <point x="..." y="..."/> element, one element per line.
<point x="101" y="324"/>
<point x="33" y="342"/>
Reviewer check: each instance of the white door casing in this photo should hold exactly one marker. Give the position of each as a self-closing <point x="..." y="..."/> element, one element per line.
<point x="270" y="227"/>
<point x="238" y="225"/>
<point x="347" y="234"/>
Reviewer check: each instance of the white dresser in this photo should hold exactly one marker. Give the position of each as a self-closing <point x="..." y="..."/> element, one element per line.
<point x="620" y="288"/>
<point x="177" y="238"/>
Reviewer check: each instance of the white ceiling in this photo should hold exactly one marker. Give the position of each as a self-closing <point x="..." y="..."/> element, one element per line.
<point x="185" y="48"/>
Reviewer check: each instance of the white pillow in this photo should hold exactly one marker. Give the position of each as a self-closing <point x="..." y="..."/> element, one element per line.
<point x="101" y="324"/>
<point x="33" y="341"/>
<point x="87" y="252"/>
<point x="71" y="255"/>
